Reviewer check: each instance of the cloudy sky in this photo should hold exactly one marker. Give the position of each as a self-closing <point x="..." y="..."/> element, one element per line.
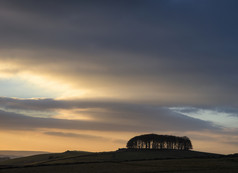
<point x="89" y="75"/>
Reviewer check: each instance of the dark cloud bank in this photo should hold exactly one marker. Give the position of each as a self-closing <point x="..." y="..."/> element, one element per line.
<point x="186" y="50"/>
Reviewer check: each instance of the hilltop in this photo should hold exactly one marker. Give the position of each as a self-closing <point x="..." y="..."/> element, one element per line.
<point x="122" y="161"/>
<point x="72" y="157"/>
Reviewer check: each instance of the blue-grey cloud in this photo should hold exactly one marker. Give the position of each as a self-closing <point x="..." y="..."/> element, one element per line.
<point x="14" y="121"/>
<point x="229" y="111"/>
<point x="115" y="116"/>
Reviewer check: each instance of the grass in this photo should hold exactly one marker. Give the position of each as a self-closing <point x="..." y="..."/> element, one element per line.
<point x="131" y="162"/>
<point x="213" y="165"/>
<point x="42" y="158"/>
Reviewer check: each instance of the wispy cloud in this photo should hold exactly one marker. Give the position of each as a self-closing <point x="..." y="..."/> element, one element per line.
<point x="104" y="116"/>
<point x="84" y="136"/>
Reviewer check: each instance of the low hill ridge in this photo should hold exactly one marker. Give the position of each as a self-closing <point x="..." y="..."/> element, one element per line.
<point x="73" y="157"/>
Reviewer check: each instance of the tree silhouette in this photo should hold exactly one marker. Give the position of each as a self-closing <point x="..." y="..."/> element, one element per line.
<point x="154" y="141"/>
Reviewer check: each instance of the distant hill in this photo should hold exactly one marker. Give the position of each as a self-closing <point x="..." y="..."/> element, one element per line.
<point x="16" y="154"/>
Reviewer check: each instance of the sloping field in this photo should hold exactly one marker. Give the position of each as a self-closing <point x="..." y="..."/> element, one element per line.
<point x="195" y="165"/>
<point x="131" y="156"/>
<point x="75" y="157"/>
<point x="41" y="158"/>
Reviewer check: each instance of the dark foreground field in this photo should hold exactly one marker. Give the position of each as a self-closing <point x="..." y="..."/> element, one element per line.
<point x="122" y="162"/>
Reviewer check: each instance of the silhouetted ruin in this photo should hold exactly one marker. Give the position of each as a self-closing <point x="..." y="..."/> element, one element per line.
<point x="154" y="141"/>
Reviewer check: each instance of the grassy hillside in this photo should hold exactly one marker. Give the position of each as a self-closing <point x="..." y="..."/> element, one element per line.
<point x="71" y="157"/>
<point x="197" y="165"/>
<point x="41" y="159"/>
<point x="125" y="161"/>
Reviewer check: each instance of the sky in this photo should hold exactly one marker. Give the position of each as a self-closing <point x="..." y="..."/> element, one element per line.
<point x="90" y="75"/>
